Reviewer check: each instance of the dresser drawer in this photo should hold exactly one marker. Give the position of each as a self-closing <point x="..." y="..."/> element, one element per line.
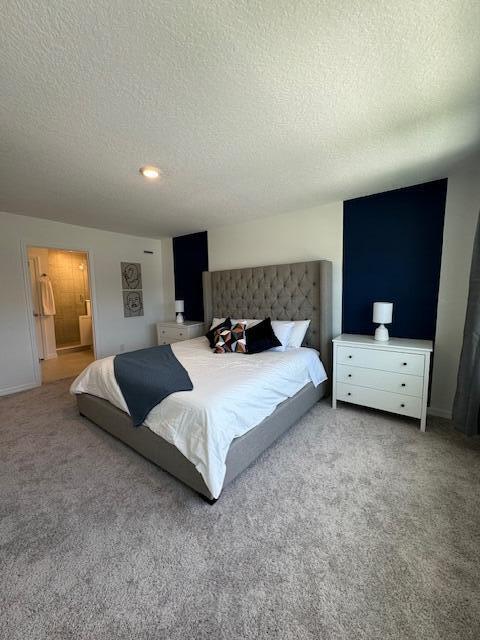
<point x="395" y="361"/>
<point x="168" y="332"/>
<point x="177" y="334"/>
<point x="166" y="335"/>
<point x="382" y="380"/>
<point x="394" y="402"/>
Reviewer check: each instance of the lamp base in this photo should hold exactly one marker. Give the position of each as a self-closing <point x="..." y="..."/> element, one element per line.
<point x="381" y="333"/>
<point x="179" y="318"/>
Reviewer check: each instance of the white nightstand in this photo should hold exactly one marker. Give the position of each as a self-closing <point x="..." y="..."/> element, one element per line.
<point x="392" y="375"/>
<point x="168" y="332"/>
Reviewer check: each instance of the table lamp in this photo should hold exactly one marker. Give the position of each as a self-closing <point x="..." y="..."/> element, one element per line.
<point x="382" y="315"/>
<point x="179" y="308"/>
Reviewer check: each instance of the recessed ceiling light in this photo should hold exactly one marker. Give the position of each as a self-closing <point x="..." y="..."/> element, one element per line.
<point x="149" y="171"/>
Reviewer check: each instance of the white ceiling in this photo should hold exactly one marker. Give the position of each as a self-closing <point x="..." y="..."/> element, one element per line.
<point x="250" y="107"/>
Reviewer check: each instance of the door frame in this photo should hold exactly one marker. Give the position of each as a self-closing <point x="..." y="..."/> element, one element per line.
<point x="65" y="246"/>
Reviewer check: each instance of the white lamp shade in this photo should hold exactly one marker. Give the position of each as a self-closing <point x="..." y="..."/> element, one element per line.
<point x="179" y="306"/>
<point x="382" y="312"/>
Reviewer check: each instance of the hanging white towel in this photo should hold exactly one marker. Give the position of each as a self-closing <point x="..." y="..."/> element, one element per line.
<point x="47" y="301"/>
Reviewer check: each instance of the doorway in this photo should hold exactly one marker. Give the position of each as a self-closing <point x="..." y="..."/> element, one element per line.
<point x="61" y="303"/>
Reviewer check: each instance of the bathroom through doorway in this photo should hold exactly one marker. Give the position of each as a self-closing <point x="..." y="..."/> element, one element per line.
<point x="62" y="310"/>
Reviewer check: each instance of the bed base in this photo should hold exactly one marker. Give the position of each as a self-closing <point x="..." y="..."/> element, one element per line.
<point x="243" y="451"/>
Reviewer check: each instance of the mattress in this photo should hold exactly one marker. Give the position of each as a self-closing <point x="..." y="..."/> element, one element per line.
<point x="232" y="393"/>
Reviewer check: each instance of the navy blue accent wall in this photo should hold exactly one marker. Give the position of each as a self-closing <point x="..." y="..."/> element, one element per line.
<point x="392" y="250"/>
<point x="190" y="259"/>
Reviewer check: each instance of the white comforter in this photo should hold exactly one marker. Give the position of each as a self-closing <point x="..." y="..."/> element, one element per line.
<point x="232" y="393"/>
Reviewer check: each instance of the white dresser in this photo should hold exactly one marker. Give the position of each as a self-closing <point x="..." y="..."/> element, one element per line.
<point x="168" y="332"/>
<point x="392" y="375"/>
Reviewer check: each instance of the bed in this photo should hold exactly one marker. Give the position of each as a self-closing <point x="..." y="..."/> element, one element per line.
<point x="296" y="291"/>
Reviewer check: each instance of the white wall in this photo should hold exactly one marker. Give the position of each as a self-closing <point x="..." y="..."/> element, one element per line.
<point x="113" y="332"/>
<point x="461" y="213"/>
<point x="312" y="234"/>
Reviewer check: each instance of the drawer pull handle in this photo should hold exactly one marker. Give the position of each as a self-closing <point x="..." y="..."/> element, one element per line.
<point x="403" y="384"/>
<point x="402" y="405"/>
<point x="404" y="364"/>
<point x="350" y="357"/>
<point x="349" y="394"/>
<point x="181" y="333"/>
<point x="349" y="375"/>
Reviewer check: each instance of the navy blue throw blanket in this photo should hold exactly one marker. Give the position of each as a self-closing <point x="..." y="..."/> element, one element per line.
<point x="147" y="376"/>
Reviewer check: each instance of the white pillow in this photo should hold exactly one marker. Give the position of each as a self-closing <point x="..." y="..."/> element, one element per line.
<point x="283" y="332"/>
<point x="298" y="331"/>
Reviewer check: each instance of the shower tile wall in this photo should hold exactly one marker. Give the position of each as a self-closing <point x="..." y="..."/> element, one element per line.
<point x="70" y="288"/>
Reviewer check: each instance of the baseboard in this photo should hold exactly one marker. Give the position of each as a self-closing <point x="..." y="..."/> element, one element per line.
<point x="6" y="391"/>
<point x="440" y="413"/>
<point x="50" y="356"/>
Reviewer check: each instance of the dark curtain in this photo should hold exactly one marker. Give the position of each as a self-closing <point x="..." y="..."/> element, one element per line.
<point x="467" y="397"/>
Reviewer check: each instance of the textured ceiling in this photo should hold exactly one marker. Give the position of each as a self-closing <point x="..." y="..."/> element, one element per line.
<point x="250" y="108"/>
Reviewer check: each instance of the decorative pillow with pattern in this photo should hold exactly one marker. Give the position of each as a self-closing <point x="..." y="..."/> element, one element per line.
<point x="217" y="324"/>
<point x="231" y="340"/>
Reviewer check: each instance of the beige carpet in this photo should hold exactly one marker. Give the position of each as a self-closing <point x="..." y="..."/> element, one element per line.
<point x="353" y="526"/>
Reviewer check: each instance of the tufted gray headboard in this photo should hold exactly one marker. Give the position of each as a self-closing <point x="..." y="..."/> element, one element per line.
<point x="296" y="291"/>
